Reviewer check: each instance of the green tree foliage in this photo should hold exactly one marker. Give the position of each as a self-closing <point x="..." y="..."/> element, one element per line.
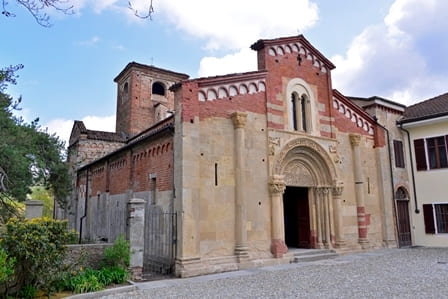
<point x="46" y="197"/>
<point x="38" y="247"/>
<point x="28" y="155"/>
<point x="118" y="255"/>
<point x="6" y="267"/>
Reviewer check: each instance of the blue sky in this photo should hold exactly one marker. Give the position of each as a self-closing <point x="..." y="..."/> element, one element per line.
<point x="390" y="48"/>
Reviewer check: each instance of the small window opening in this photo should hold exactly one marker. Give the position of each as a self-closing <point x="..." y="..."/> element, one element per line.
<point x="294" y="115"/>
<point x="303" y="111"/>
<point x="158" y="88"/>
<point x="124" y="96"/>
<point x="216" y="174"/>
<point x="154" y="191"/>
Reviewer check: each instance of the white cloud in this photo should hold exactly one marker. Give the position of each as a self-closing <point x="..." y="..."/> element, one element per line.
<point x="402" y="59"/>
<point x="242" y="61"/>
<point x="90" y="42"/>
<point x="97" y="5"/>
<point x="63" y="127"/>
<point x="232" y="24"/>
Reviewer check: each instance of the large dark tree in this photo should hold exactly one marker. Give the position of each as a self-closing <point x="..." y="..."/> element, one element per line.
<point x="38" y="9"/>
<point x="29" y="156"/>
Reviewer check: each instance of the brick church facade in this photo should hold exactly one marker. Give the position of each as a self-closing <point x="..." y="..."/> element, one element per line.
<point x="253" y="164"/>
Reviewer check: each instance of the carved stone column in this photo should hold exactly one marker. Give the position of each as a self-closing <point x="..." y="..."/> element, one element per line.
<point x="241" y="251"/>
<point x="327" y="218"/>
<point x="323" y="218"/>
<point x="319" y="218"/>
<point x="359" y="190"/>
<point x="277" y="188"/>
<point x="339" y="226"/>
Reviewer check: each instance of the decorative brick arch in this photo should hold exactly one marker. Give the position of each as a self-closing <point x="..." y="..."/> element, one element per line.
<point x="303" y="162"/>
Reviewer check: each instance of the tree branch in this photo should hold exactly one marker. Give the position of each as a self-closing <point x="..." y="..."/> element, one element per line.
<point x="3" y="179"/>
<point x="37" y="9"/>
<point x="148" y="13"/>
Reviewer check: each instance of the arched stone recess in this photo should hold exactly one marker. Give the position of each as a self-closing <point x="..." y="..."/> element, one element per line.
<point x="301" y="88"/>
<point x="303" y="162"/>
<point x="305" y="157"/>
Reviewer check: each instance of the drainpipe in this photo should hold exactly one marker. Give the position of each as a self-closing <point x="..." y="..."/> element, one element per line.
<point x="417" y="211"/>
<point x="85" y="206"/>
<point x="390" y="169"/>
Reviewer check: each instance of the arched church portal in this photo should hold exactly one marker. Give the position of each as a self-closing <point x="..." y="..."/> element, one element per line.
<point x="308" y="199"/>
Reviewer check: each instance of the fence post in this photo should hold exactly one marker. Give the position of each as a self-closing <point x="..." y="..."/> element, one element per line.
<point x="136" y="225"/>
<point x="33" y="209"/>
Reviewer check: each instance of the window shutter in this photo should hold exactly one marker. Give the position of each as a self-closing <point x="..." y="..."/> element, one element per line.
<point x="420" y="156"/>
<point x="429" y="219"/>
<point x="399" y="156"/>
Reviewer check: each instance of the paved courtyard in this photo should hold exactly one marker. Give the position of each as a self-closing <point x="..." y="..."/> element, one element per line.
<point x="385" y="273"/>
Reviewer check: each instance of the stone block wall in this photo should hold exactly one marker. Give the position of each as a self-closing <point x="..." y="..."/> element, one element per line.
<point x="86" y="255"/>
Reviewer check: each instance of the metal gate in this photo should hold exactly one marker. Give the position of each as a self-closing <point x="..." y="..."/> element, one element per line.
<point x="160" y="241"/>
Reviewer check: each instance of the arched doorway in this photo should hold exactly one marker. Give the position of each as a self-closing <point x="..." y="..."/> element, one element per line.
<point x="309" y="177"/>
<point x="404" y="225"/>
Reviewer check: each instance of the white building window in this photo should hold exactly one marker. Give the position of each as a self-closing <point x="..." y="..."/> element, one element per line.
<point x="436" y="218"/>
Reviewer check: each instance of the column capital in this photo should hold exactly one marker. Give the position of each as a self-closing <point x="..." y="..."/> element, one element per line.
<point x="239" y="119"/>
<point x="322" y="190"/>
<point x="337" y="191"/>
<point x="355" y="139"/>
<point x="277" y="184"/>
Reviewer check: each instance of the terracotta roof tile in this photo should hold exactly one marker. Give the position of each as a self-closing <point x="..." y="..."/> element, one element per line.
<point x="431" y="108"/>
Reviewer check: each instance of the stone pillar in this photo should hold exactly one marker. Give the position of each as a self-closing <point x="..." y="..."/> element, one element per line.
<point x="33" y="209"/>
<point x="277" y="187"/>
<point x="323" y="219"/>
<point x="319" y="218"/>
<point x="313" y="217"/>
<point x="327" y="227"/>
<point x="359" y="190"/>
<point x="136" y="235"/>
<point x="241" y="251"/>
<point x="339" y="226"/>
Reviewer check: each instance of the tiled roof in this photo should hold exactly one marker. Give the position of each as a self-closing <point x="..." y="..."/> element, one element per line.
<point x="105" y="136"/>
<point x="79" y="128"/>
<point x="431" y="108"/>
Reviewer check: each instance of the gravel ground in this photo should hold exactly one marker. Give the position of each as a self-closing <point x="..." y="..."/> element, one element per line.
<point x="385" y="273"/>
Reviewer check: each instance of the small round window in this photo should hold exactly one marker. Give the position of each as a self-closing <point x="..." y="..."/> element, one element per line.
<point x="158" y="88"/>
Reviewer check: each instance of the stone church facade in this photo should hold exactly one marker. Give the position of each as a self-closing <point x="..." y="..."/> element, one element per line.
<point x="253" y="164"/>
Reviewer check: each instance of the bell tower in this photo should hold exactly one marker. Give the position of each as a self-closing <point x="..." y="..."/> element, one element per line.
<point x="143" y="97"/>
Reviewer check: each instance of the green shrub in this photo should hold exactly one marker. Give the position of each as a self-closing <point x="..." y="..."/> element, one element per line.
<point x="38" y="246"/>
<point x="118" y="255"/>
<point x="111" y="275"/>
<point x="6" y="267"/>
<point x="27" y="292"/>
<point x="86" y="281"/>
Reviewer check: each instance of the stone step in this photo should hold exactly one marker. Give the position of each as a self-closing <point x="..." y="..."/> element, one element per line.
<point x="314" y="255"/>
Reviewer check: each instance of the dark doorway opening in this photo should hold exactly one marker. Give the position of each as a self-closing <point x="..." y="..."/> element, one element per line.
<point x="404" y="225"/>
<point x="297" y="217"/>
